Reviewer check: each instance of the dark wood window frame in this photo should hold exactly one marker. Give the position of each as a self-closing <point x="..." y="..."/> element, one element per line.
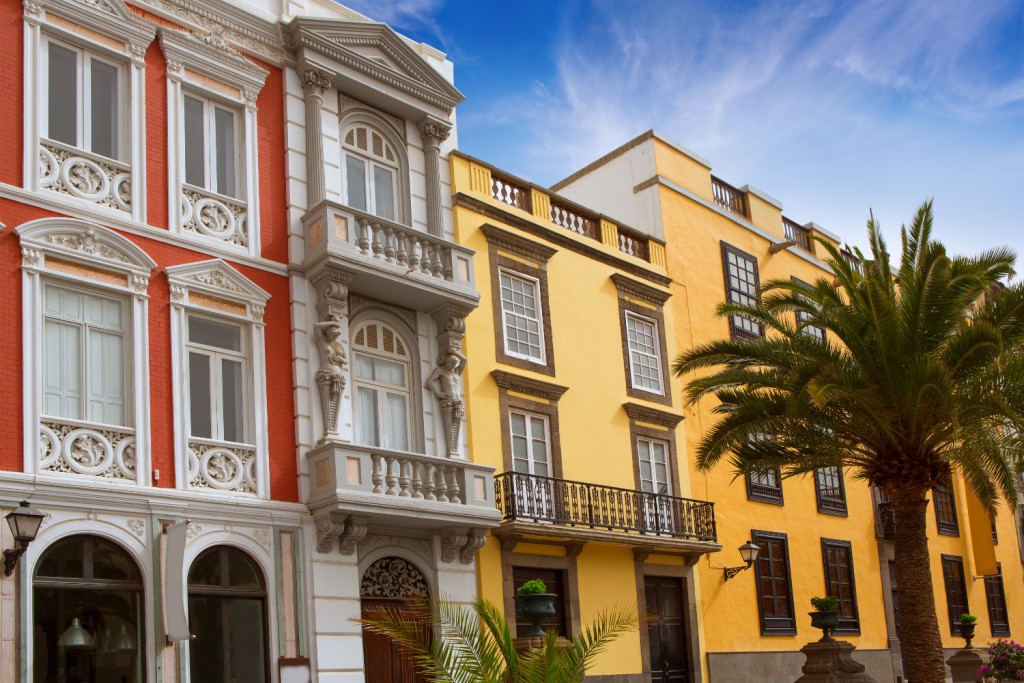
<point x="511" y="560"/>
<point x="956" y="590"/>
<point x="510" y="388"/>
<point x="640" y="419"/>
<point x="772" y="625"/>
<point x="809" y="330"/>
<point x="765" y="493"/>
<point x="944" y="503"/>
<point x="735" y="331"/>
<point x="849" y="616"/>
<point x="518" y="255"/>
<point x="647" y="302"/>
<point x="995" y="598"/>
<point x="830" y="502"/>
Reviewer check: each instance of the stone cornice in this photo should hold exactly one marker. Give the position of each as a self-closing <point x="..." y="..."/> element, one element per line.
<point x="642" y="413"/>
<point x="213" y="56"/>
<point x="528" y="385"/>
<point x="503" y="239"/>
<point x="627" y="286"/>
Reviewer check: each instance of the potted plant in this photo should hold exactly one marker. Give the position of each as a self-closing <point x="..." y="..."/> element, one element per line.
<point x="1005" y="662"/>
<point x="967" y="622"/>
<point x="825" y="615"/>
<point x="534" y="602"/>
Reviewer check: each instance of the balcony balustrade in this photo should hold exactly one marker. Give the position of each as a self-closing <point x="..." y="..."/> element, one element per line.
<point x="527" y="497"/>
<point x="797" y="233"/>
<point x="728" y="197"/>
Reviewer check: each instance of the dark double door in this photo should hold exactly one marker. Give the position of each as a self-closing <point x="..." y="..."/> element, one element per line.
<point x="666" y="629"/>
<point x="385" y="660"/>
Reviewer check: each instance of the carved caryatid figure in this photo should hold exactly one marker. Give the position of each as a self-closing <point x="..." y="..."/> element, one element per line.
<point x="445" y="383"/>
<point x="330" y="378"/>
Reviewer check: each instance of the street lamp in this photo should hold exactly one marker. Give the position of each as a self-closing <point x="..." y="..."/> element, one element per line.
<point x="749" y="553"/>
<point x="24" y="522"/>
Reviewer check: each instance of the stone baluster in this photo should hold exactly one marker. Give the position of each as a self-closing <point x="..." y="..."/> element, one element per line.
<point x="425" y="257"/>
<point x="375" y="477"/>
<point x="446" y="257"/>
<point x="428" y="486"/>
<point x="417" y="483"/>
<point x="402" y="255"/>
<point x="414" y="253"/>
<point x="378" y="248"/>
<point x="436" y="267"/>
<point x="389" y="475"/>
<point x="441" y="483"/>
<point x="454" y="489"/>
<point x="435" y="131"/>
<point x="389" y="247"/>
<point x="403" y="478"/>
<point x="364" y="236"/>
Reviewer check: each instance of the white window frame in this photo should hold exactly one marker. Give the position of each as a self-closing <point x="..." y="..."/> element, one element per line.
<point x="214" y="354"/>
<point x="210" y="107"/>
<point x="370" y="160"/>
<point x="656" y="356"/>
<point x="107" y="31"/>
<point x="542" y="358"/>
<point x="381" y="388"/>
<point x="82" y="255"/>
<point x="529" y="416"/>
<point x="211" y="70"/>
<point x="216" y="291"/>
<point x="668" y="464"/>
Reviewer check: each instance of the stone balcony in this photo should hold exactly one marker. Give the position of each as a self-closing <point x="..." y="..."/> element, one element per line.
<point x="383" y="487"/>
<point x="397" y="263"/>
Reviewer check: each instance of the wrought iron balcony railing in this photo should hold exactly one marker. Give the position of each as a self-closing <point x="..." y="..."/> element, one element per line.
<point x="887" y="521"/>
<point x="577" y="504"/>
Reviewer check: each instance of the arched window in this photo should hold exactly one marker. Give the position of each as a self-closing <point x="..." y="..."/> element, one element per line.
<point x="227" y="616"/>
<point x="371" y="172"/>
<point x="382" y="377"/>
<point x="88" y="613"/>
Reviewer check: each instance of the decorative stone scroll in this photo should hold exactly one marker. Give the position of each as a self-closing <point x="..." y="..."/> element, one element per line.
<point x="85" y="176"/>
<point x="73" y="448"/>
<point x="222" y="467"/>
<point x="462" y="543"/>
<point x="393" y="577"/>
<point x="214" y="216"/>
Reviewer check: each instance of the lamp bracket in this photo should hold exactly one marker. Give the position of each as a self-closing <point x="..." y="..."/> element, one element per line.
<point x="733" y="571"/>
<point x="11" y="556"/>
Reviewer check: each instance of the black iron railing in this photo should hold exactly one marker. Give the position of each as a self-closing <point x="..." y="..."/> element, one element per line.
<point x="887" y="521"/>
<point x="572" y="503"/>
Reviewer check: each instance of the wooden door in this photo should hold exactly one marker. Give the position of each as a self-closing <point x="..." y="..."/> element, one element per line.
<point x="666" y="629"/>
<point x="384" y="660"/>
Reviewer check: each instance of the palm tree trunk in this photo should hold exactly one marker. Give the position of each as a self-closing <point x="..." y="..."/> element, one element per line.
<point x="919" y="627"/>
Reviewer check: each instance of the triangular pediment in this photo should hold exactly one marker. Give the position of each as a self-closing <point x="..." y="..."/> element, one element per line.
<point x="378" y="52"/>
<point x="108" y="17"/>
<point x="217" y="278"/>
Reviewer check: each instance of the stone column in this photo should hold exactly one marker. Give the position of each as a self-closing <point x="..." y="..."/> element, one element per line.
<point x="314" y="85"/>
<point x="435" y="131"/>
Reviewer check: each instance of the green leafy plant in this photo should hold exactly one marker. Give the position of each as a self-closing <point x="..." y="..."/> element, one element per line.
<point x="829" y="603"/>
<point x="452" y="643"/>
<point x="968" y="619"/>
<point x="532" y="587"/>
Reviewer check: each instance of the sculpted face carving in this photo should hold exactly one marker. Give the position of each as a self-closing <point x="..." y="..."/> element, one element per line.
<point x="445" y="382"/>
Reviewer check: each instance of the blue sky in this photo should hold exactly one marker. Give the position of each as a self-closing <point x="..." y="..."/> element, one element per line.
<point x="831" y="107"/>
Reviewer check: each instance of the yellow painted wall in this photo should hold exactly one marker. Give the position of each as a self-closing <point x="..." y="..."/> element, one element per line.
<point x="594" y="428"/>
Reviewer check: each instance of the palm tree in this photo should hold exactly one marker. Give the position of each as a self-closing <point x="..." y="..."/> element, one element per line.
<point x="920" y="370"/>
<point x="453" y="643"/>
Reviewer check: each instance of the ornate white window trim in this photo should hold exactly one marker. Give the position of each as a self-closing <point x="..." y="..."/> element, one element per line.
<point x="108" y="29"/>
<point x="79" y="253"/>
<point x="210" y="68"/>
<point x="213" y="289"/>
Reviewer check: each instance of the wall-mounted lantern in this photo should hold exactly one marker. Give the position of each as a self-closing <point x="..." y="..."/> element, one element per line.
<point x="24" y="522"/>
<point x="749" y="553"/>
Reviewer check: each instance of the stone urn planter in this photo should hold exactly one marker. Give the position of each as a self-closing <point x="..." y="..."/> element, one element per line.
<point x="967" y="633"/>
<point x="535" y="606"/>
<point x="827" y="621"/>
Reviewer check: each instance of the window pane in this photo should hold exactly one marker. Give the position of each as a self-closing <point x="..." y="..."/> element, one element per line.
<point x="396" y="422"/>
<point x="366" y="417"/>
<point x="62" y="99"/>
<point x="106" y="377"/>
<point x="213" y="333"/>
<point x="200" y="407"/>
<point x="62" y="371"/>
<point x="388" y="372"/>
<point x="364" y="367"/>
<point x="104" y="108"/>
<point x="355" y="172"/>
<point x="195" y="156"/>
<point x="224" y="122"/>
<point x="384" y="192"/>
<point x="245" y="639"/>
<point x="233" y="400"/>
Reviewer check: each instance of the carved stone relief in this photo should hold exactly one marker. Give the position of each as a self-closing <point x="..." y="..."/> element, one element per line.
<point x="393" y="577"/>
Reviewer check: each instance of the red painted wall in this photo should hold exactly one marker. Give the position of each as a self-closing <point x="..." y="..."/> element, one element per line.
<point x="273" y="235"/>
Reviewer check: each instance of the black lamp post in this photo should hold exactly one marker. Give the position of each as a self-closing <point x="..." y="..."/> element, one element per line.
<point x="24" y="522"/>
<point x="749" y="553"/>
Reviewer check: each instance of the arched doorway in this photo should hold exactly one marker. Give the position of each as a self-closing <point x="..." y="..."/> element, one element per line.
<point x="390" y="583"/>
<point x="87" y="614"/>
<point x="227" y="615"/>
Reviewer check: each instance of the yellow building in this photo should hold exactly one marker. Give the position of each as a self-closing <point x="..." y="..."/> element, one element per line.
<point x="571" y="399"/>
<point x="822" y="534"/>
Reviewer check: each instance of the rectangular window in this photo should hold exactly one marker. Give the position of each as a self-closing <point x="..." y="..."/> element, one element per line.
<point x="217" y="380"/>
<point x="644" y="353"/>
<point x="741" y="287"/>
<point x="828" y="484"/>
<point x="838" y="559"/>
<point x="531" y="446"/>
<point x="774" y="594"/>
<point x="83" y="99"/>
<point x="382" y="402"/>
<point x="521" y="317"/>
<point x="945" y="507"/>
<point x="765" y="486"/>
<point x="655" y="471"/>
<point x="555" y="581"/>
<point x="801" y="318"/>
<point x="995" y="596"/>
<point x="84" y="356"/>
<point x="212" y="145"/>
<point x="956" y="592"/>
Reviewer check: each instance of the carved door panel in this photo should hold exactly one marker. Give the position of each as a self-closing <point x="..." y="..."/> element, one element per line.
<point x="384" y="659"/>
<point x="666" y="629"/>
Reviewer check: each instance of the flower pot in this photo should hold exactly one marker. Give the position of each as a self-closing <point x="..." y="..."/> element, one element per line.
<point x="536" y="606"/>
<point x="826" y="621"/>
<point x="967" y="633"/>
